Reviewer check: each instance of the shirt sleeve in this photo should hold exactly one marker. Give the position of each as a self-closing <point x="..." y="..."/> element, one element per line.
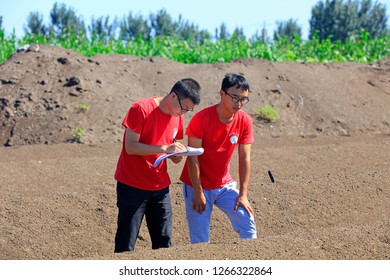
<point x="247" y="134"/>
<point x="134" y="119"/>
<point x="195" y="127"/>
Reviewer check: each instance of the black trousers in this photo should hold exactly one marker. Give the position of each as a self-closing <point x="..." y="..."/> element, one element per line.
<point x="133" y="204"/>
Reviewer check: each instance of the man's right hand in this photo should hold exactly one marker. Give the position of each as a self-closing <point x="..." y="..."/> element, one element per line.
<point x="199" y="202"/>
<point x="175" y="147"/>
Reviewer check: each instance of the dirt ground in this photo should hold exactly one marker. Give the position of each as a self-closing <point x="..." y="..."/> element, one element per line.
<point x="329" y="153"/>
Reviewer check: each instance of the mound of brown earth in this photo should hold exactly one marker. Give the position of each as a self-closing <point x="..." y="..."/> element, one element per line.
<point x="329" y="152"/>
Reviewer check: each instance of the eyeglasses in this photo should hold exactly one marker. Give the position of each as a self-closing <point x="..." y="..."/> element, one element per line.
<point x="181" y="107"/>
<point x="235" y="99"/>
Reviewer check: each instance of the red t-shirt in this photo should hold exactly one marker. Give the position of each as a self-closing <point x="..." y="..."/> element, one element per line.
<point x="219" y="141"/>
<point x="155" y="128"/>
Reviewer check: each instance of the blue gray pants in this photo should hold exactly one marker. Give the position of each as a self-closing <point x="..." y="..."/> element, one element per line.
<point x="225" y="199"/>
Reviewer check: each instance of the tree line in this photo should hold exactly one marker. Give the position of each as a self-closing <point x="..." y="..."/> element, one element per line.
<point x="330" y="19"/>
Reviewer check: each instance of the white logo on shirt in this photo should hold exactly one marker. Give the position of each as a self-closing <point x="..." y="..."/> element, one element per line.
<point x="233" y="139"/>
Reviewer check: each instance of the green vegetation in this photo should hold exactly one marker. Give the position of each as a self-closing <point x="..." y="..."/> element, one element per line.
<point x="339" y="20"/>
<point x="83" y="107"/>
<point x="7" y="46"/>
<point x="268" y="113"/>
<point x="360" y="48"/>
<point x="78" y="134"/>
<point x="334" y="19"/>
<point x="340" y="31"/>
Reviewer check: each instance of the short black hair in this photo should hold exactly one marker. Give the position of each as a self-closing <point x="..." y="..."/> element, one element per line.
<point x="234" y="80"/>
<point x="188" y="88"/>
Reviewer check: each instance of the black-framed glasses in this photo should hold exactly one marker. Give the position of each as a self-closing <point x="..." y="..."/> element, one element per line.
<point x="181" y="107"/>
<point x="235" y="99"/>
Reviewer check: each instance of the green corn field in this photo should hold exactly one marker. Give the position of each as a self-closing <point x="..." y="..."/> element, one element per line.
<point x="361" y="49"/>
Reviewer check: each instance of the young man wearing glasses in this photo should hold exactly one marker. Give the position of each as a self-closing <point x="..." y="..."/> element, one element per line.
<point x="219" y="129"/>
<point x="152" y="126"/>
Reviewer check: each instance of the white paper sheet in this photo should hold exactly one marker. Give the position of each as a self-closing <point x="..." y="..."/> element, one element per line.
<point x="190" y="152"/>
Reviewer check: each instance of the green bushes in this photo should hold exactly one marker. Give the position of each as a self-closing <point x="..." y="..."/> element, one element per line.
<point x="362" y="49"/>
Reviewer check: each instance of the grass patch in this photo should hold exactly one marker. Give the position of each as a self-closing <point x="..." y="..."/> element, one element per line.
<point x="267" y="113"/>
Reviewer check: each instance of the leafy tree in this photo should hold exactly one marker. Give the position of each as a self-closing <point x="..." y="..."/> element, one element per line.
<point x="202" y="36"/>
<point x="64" y="19"/>
<point x="262" y="37"/>
<point x="1" y="30"/>
<point x="342" y="20"/>
<point x="189" y="31"/>
<point x="102" y="28"/>
<point x="238" y="34"/>
<point x="288" y="29"/>
<point x="223" y="33"/>
<point x="134" y="26"/>
<point x="35" y="24"/>
<point x="162" y="24"/>
<point x="186" y="30"/>
<point x="323" y="18"/>
<point x="373" y="18"/>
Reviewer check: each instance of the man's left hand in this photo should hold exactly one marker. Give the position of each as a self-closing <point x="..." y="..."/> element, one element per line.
<point x="176" y="159"/>
<point x="244" y="203"/>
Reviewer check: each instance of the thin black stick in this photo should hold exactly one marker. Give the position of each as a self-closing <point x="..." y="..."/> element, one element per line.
<point x="281" y="201"/>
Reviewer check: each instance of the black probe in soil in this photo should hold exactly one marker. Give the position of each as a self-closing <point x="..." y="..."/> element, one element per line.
<point x="281" y="202"/>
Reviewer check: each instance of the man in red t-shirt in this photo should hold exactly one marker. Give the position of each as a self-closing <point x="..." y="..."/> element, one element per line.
<point x="152" y="126"/>
<point x="219" y="129"/>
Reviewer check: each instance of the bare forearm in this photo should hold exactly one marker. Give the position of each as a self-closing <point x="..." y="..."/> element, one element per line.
<point x="134" y="147"/>
<point x="194" y="172"/>
<point x="141" y="149"/>
<point x="244" y="173"/>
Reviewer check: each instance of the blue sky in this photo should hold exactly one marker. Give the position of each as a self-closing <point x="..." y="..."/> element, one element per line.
<point x="251" y="15"/>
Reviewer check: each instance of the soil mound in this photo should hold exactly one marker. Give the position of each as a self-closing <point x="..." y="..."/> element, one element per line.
<point x="329" y="152"/>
